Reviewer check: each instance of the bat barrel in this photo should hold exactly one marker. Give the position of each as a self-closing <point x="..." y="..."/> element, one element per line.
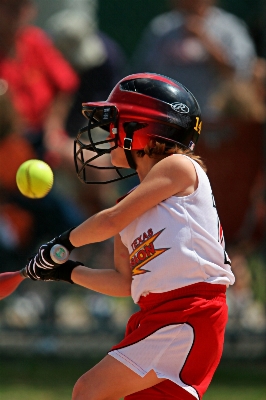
<point x="9" y="281"/>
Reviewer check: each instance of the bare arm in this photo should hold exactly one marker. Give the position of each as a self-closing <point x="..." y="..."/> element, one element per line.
<point x="172" y="175"/>
<point x="113" y="282"/>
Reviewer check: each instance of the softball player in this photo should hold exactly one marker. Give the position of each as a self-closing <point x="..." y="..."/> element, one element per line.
<point x="168" y="245"/>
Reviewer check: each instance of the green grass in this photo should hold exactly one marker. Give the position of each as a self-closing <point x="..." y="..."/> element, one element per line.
<point x="40" y="378"/>
<point x="236" y="380"/>
<point x="26" y="392"/>
<point x="43" y="378"/>
<point x="222" y="392"/>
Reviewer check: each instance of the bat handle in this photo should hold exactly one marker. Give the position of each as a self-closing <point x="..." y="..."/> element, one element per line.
<point x="59" y="254"/>
<point x="23" y="273"/>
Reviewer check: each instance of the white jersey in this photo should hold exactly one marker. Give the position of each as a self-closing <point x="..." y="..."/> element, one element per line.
<point x="177" y="243"/>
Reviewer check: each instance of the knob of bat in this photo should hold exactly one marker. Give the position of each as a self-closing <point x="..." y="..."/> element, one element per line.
<point x="59" y="254"/>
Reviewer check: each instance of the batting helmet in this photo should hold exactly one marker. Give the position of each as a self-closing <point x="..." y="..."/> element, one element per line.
<point x="141" y="107"/>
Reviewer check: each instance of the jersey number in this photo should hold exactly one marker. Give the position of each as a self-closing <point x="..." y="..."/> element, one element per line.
<point x="198" y="125"/>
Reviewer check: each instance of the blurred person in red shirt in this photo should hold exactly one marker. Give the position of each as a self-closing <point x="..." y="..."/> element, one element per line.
<point x="40" y="85"/>
<point x="24" y="221"/>
<point x="41" y="81"/>
<point x="16" y="222"/>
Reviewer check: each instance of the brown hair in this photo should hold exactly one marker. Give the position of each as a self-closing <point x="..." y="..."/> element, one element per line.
<point x="155" y="149"/>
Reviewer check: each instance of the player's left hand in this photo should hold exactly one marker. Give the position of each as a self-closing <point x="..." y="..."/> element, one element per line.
<point x="61" y="273"/>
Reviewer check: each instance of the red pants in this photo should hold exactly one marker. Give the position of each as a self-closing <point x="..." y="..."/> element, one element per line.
<point x="201" y="309"/>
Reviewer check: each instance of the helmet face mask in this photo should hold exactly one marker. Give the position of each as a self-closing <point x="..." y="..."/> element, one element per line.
<point x="141" y="107"/>
<point x="94" y="141"/>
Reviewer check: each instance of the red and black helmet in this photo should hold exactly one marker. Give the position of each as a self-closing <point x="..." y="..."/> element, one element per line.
<point x="140" y="107"/>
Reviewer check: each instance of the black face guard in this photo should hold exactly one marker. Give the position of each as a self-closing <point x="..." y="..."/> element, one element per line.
<point x="88" y="146"/>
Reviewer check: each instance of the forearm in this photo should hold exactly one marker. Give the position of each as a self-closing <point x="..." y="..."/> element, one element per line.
<point x="99" y="227"/>
<point x="105" y="281"/>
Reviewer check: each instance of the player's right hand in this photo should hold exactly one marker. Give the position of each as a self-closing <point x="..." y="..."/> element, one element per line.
<point x="43" y="258"/>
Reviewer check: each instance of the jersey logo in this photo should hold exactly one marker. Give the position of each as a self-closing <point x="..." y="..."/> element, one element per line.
<point x="219" y="226"/>
<point x="144" y="251"/>
<point x="180" y="107"/>
<point x="220" y="232"/>
<point x="226" y="258"/>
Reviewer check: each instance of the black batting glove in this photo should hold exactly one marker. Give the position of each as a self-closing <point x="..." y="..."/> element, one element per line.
<point x="43" y="258"/>
<point x="61" y="273"/>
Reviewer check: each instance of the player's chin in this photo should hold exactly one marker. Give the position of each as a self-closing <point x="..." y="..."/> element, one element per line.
<point x="120" y="164"/>
<point x="119" y="160"/>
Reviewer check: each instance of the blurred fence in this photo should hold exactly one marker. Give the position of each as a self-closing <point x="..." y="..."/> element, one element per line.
<point x="58" y="318"/>
<point x="69" y="321"/>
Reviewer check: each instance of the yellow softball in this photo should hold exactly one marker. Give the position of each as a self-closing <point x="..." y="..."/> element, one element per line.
<point x="34" y="179"/>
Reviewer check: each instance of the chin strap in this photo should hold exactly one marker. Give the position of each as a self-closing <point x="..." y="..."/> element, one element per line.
<point x="130" y="128"/>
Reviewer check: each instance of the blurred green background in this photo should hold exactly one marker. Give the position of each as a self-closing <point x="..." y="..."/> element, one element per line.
<point x="45" y="378"/>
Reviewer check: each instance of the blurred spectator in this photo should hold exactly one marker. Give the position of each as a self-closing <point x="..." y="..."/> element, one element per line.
<point x="98" y="60"/>
<point x="199" y="45"/>
<point x="16" y="223"/>
<point x="211" y="50"/>
<point x="24" y="222"/>
<point x="242" y="98"/>
<point x="37" y="85"/>
<point x="40" y="80"/>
